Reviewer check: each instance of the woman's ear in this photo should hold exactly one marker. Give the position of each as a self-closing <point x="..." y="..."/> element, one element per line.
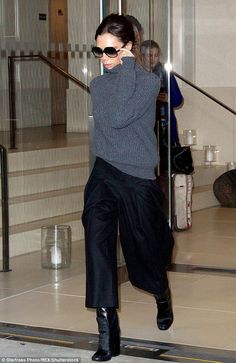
<point x="129" y="45"/>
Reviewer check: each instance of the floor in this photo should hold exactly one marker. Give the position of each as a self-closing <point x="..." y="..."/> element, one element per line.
<point x="202" y="281"/>
<point x="17" y="351"/>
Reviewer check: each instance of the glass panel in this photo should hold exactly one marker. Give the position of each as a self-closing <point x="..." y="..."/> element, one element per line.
<point x="203" y="53"/>
<point x="154" y="28"/>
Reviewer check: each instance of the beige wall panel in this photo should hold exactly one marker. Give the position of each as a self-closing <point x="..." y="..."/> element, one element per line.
<point x="140" y="9"/>
<point x="112" y="6"/>
<point x="160" y="26"/>
<point x="177" y="41"/>
<point x="81" y="31"/>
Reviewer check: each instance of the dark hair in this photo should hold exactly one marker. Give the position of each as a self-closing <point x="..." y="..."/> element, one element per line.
<point x="135" y="22"/>
<point x="150" y="44"/>
<point x="118" y="26"/>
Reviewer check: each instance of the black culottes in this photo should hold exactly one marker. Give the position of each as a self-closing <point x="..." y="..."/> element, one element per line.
<point x="113" y="197"/>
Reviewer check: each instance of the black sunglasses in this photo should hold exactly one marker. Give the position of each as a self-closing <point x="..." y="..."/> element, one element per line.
<point x="111" y="52"/>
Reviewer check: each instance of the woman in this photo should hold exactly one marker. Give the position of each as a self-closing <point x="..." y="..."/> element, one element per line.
<point x="151" y="52"/>
<point x="122" y="186"/>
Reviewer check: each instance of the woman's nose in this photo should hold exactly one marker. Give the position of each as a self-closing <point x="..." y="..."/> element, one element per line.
<point x="103" y="59"/>
<point x="104" y="56"/>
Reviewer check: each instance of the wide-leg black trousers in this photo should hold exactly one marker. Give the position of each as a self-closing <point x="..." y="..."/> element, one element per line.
<point x="113" y="197"/>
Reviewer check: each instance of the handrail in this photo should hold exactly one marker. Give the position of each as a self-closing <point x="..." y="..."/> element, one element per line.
<point x="5" y="212"/>
<point x="204" y="92"/>
<point x="52" y="65"/>
<point x="12" y="88"/>
<point x="12" y="101"/>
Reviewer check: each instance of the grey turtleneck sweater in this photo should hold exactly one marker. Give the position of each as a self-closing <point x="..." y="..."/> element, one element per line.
<point x="124" y="108"/>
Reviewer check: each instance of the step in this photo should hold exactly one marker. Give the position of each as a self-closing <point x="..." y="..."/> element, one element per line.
<point x="198" y="156"/>
<point x="26" y="237"/>
<point x="29" y="208"/>
<point x="37" y="159"/>
<point x="204" y="178"/>
<point x="47" y="179"/>
<point x="205" y="175"/>
<point x="46" y="187"/>
<point x="203" y="197"/>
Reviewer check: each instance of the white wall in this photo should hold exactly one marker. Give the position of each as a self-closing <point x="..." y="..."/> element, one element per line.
<point x="213" y="34"/>
<point x="183" y="38"/>
<point x="215" y="43"/>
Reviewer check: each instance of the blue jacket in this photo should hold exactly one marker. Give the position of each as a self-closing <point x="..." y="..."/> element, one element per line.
<point x="175" y="98"/>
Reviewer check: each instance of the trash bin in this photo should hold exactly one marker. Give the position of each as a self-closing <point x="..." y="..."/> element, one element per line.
<point x="55" y="246"/>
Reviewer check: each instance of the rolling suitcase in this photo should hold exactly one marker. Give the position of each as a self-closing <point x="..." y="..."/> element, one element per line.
<point x="182" y="186"/>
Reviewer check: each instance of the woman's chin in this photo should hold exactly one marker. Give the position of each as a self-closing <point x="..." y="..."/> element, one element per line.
<point x="108" y="66"/>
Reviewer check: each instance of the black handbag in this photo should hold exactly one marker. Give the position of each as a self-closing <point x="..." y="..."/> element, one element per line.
<point x="181" y="156"/>
<point x="181" y="159"/>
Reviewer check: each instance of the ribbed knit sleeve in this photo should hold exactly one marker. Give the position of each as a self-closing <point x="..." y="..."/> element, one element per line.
<point x="132" y="99"/>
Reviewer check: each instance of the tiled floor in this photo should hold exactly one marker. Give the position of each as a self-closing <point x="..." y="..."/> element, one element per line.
<point x="204" y="302"/>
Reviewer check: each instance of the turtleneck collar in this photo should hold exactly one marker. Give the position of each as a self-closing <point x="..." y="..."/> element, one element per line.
<point x="126" y="62"/>
<point x="116" y="69"/>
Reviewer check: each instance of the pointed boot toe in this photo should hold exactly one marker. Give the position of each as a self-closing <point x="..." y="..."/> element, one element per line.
<point x="104" y="355"/>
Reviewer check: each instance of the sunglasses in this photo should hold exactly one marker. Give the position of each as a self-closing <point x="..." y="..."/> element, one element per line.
<point x="111" y="52"/>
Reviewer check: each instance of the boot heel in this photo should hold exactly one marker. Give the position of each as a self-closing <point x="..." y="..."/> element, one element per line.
<point x="116" y="345"/>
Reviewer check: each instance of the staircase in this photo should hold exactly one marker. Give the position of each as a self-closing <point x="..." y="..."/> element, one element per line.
<point x="45" y="187"/>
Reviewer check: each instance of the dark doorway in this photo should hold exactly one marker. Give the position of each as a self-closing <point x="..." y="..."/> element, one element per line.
<point x="58" y="36"/>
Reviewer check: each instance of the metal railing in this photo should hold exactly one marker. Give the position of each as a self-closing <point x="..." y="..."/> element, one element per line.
<point x="12" y="86"/>
<point x="204" y="92"/>
<point x="5" y="212"/>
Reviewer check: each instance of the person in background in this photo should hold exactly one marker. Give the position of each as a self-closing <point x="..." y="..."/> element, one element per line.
<point x="122" y="187"/>
<point x="151" y="52"/>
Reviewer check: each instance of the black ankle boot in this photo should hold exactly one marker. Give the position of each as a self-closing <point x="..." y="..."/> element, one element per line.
<point x="109" y="335"/>
<point x="165" y="314"/>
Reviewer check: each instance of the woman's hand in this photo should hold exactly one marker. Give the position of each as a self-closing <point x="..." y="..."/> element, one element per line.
<point x="163" y="97"/>
<point x="125" y="53"/>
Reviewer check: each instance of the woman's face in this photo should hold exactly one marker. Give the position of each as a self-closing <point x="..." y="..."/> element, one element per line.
<point x="151" y="58"/>
<point x="109" y="40"/>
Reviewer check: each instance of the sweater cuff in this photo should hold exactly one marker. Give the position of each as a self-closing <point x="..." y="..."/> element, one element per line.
<point x="128" y="62"/>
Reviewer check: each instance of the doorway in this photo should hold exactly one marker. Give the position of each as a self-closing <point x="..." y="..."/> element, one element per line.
<point x="58" y="39"/>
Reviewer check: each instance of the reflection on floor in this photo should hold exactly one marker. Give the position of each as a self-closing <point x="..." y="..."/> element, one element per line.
<point x="204" y="300"/>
